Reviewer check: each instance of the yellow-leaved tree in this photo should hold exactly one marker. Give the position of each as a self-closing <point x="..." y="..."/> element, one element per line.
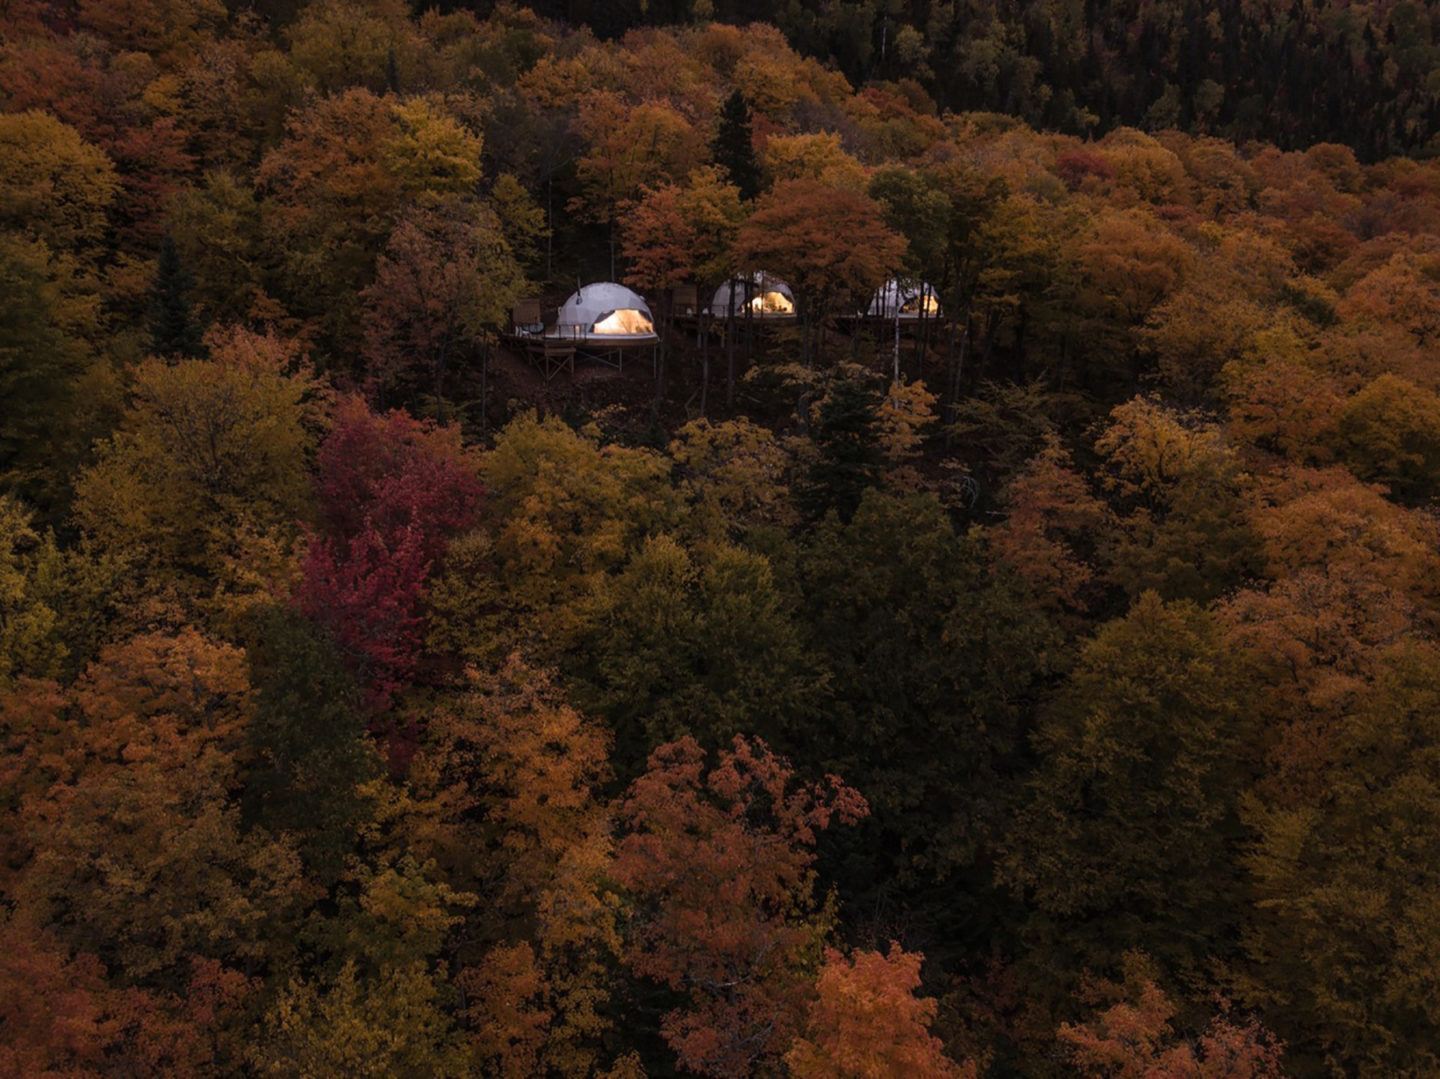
<point x="201" y="488"/>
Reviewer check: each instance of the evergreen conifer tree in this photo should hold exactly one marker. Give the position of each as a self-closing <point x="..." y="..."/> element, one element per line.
<point x="174" y="330"/>
<point x="849" y="455"/>
<point x="733" y="149"/>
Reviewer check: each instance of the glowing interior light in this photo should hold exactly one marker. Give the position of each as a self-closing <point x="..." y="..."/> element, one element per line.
<point x="772" y="303"/>
<point x="927" y="303"/>
<point x="625" y="321"/>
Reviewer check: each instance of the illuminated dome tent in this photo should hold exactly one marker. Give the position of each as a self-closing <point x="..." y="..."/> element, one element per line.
<point x="605" y="313"/>
<point x="909" y="300"/>
<point x="769" y="297"/>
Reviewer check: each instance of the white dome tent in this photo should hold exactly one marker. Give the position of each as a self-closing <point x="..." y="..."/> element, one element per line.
<point x="907" y="301"/>
<point x="605" y="314"/>
<point x="770" y="298"/>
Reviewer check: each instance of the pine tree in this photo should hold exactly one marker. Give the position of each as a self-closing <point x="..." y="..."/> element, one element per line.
<point x="849" y="455"/>
<point x="733" y="149"/>
<point x="173" y="327"/>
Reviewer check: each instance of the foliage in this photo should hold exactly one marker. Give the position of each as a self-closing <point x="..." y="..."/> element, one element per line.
<point x="1135" y="1037"/>
<point x="370" y="703"/>
<point x="538" y="835"/>
<point x="830" y="244"/>
<point x="1155" y="725"/>
<point x="208" y="454"/>
<point x="443" y="286"/>
<point x="733" y="148"/>
<point x="1388" y="432"/>
<point x="137" y="853"/>
<point x="1186" y="535"/>
<point x="891" y="598"/>
<point x="392" y="492"/>
<point x="719" y="865"/>
<point x="1348" y="867"/>
<point x="847" y="438"/>
<point x="866" y="1023"/>
<point x="1049" y="514"/>
<point x="696" y="641"/>
<point x="44" y="358"/>
<point x="679" y="233"/>
<point x="309" y="758"/>
<point x="55" y="184"/>
<point x="30" y="644"/>
<point x="385" y="1026"/>
<point x="565" y="512"/>
<point x="174" y="329"/>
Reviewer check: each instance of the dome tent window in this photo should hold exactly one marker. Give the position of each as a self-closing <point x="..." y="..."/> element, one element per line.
<point x="905" y="300"/>
<point x="772" y="303"/>
<point x="767" y="296"/>
<point x="606" y="312"/>
<point x="625" y="321"/>
<point x="925" y="302"/>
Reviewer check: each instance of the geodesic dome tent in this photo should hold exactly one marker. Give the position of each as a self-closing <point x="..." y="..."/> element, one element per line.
<point x="910" y="300"/>
<point x="605" y="313"/>
<point x="769" y="297"/>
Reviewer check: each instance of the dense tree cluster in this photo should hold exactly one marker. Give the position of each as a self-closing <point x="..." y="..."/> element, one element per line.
<point x="1292" y="73"/>
<point x="1047" y="690"/>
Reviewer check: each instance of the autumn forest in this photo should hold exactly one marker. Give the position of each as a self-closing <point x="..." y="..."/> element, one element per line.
<point x="697" y="538"/>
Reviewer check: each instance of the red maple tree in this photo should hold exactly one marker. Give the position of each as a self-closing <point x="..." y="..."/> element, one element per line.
<point x="393" y="491"/>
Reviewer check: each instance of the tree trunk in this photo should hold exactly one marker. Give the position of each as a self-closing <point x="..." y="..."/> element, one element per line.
<point x="895" y="375"/>
<point x="987" y="358"/>
<point x="956" y="360"/>
<point x="730" y="349"/>
<point x="749" y="322"/>
<point x="704" y="316"/>
<point x="661" y="355"/>
<point x="922" y="338"/>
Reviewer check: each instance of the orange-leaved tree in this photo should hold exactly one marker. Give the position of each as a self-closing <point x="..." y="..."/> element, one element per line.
<point x="867" y="1023"/>
<point x="507" y="784"/>
<point x="678" y="234"/>
<point x="1049" y="512"/>
<point x="137" y="853"/>
<point x="831" y="244"/>
<point x="718" y="865"/>
<point x="1135" y="1038"/>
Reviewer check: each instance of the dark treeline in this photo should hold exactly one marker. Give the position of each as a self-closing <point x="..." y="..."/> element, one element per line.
<point x="1289" y="73"/>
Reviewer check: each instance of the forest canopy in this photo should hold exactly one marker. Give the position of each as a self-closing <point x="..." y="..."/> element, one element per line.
<point x="979" y="619"/>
